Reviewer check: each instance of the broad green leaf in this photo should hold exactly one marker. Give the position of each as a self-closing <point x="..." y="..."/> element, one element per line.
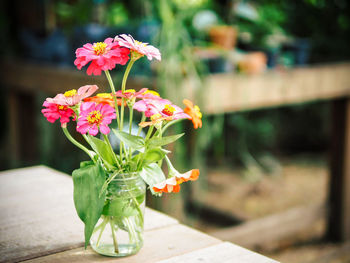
<point x="152" y="174"/>
<point x="103" y="150"/>
<point x="119" y="207"/>
<point x="134" y="142"/>
<point x="156" y="142"/>
<point x="153" y="155"/>
<point x="88" y="202"/>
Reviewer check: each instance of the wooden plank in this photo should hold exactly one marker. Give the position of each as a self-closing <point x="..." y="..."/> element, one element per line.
<point x="221" y="253"/>
<point x="38" y="215"/>
<point x="159" y="244"/>
<point x="52" y="79"/>
<point x="230" y="92"/>
<point x="263" y="231"/>
<point x="339" y="193"/>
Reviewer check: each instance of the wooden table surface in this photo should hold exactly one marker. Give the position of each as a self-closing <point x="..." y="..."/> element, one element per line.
<point x="38" y="223"/>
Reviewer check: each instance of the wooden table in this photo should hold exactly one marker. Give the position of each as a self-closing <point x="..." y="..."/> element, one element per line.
<point x="38" y="223"/>
<point x="237" y="92"/>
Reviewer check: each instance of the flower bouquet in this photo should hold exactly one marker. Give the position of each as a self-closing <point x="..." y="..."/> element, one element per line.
<point x="109" y="189"/>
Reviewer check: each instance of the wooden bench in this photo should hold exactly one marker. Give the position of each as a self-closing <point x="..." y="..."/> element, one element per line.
<point x="39" y="224"/>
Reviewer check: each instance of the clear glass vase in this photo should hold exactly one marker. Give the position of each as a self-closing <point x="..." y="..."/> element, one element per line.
<point x="119" y="231"/>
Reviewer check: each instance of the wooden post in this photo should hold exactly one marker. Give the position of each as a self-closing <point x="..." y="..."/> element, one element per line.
<point x="339" y="194"/>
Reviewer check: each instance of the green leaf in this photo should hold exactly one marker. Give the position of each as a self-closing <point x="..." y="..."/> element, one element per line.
<point x="134" y="142"/>
<point x="88" y="202"/>
<point x="152" y="174"/>
<point x="86" y="163"/>
<point x="119" y="207"/>
<point x="152" y="156"/>
<point x="157" y="142"/>
<point x="102" y="149"/>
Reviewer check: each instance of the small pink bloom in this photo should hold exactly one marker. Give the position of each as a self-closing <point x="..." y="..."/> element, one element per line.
<point x="130" y="93"/>
<point x="94" y="117"/>
<point x="53" y="112"/>
<point x="142" y="94"/>
<point x="73" y="97"/>
<point x="141" y="48"/>
<point x="161" y="106"/>
<point x="103" y="56"/>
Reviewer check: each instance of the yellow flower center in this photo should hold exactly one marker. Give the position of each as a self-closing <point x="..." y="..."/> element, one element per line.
<point x="61" y="107"/>
<point x="152" y="92"/>
<point x="198" y="111"/>
<point x="168" y="110"/>
<point x="99" y="48"/>
<point x="140" y="43"/>
<point x="104" y="95"/>
<point x="95" y="117"/>
<point x="129" y="91"/>
<point x="70" y="93"/>
<point x="155" y="117"/>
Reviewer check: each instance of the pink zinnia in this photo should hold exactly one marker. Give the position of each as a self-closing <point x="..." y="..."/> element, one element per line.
<point x="141" y="48"/>
<point x="103" y="56"/>
<point x="54" y="112"/>
<point x="161" y="106"/>
<point x="94" y="117"/>
<point x="73" y="97"/>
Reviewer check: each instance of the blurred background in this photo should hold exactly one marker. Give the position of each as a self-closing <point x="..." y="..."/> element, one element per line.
<point x="271" y="78"/>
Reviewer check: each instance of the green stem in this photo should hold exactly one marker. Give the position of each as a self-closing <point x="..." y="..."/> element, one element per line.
<point x="72" y="140"/>
<point x="125" y="77"/>
<point x="134" y="199"/>
<point x="115" y="242"/>
<point x="110" y="81"/>
<point x="126" y="74"/>
<point x="166" y="126"/>
<point x="121" y="124"/>
<point x="130" y="119"/>
<point x="103" y="226"/>
<point x="110" y="147"/>
<point x="149" y="133"/>
<point x="130" y="128"/>
<point x="142" y="120"/>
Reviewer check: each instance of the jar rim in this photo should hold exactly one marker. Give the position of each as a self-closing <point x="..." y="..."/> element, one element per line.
<point x="127" y="176"/>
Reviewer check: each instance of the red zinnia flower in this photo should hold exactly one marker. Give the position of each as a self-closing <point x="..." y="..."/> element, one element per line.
<point x="55" y="111"/>
<point x="103" y="56"/>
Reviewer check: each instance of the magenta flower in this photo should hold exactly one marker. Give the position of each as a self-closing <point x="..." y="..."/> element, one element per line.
<point x="161" y="106"/>
<point x="94" y="117"/>
<point x="53" y="112"/>
<point x="142" y="49"/>
<point x="73" y="97"/>
<point x="103" y="56"/>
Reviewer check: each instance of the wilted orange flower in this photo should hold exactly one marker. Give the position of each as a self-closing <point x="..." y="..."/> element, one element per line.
<point x="191" y="175"/>
<point x="104" y="98"/>
<point x="172" y="184"/>
<point x="167" y="186"/>
<point x="194" y="112"/>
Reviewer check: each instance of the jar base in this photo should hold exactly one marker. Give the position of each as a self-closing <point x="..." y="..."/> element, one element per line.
<point x="124" y="250"/>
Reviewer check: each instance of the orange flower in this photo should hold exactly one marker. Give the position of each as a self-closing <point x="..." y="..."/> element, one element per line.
<point x="191" y="175"/>
<point x="194" y="112"/>
<point x="167" y="186"/>
<point x="104" y="98"/>
<point x="172" y="184"/>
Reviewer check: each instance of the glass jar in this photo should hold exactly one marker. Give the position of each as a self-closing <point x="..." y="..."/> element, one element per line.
<point x="119" y="231"/>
